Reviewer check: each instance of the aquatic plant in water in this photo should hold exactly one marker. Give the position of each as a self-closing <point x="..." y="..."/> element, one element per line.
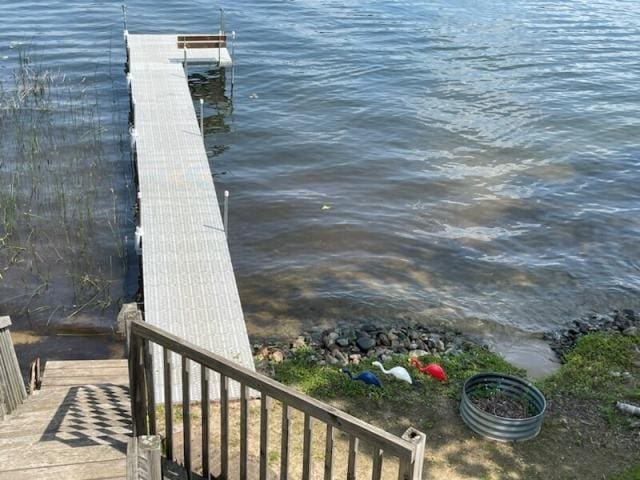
<point x="61" y="221"/>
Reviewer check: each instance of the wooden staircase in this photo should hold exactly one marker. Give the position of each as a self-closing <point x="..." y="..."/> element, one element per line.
<point x="75" y="427"/>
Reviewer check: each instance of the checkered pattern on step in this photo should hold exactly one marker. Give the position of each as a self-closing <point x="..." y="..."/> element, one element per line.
<point x="92" y="415"/>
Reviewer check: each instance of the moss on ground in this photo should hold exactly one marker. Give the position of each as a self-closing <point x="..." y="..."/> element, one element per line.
<point x="601" y="367"/>
<point x="632" y="473"/>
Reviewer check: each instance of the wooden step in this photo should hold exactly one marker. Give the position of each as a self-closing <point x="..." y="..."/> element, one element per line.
<point x="75" y="427"/>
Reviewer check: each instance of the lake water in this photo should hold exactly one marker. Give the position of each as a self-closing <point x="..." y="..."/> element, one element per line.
<point x="471" y="162"/>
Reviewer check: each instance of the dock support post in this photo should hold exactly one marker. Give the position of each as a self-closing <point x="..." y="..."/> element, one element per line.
<point x="202" y="117"/>
<point x="225" y="212"/>
<point x="185" y="64"/>
<point x="124" y="13"/>
<point x="233" y="60"/>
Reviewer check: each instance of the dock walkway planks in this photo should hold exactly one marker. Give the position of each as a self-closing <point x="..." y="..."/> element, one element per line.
<point x="75" y="427"/>
<point x="189" y="284"/>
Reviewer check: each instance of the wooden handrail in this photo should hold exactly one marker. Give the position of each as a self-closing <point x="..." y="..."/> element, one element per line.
<point x="12" y="388"/>
<point x="409" y="449"/>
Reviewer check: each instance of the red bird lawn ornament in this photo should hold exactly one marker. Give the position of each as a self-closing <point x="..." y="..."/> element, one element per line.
<point x="433" y="369"/>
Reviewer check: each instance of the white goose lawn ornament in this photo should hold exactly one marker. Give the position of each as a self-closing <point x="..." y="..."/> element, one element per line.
<point x="399" y="372"/>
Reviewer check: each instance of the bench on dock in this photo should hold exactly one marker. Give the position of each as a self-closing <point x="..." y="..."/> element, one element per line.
<point x="202" y="41"/>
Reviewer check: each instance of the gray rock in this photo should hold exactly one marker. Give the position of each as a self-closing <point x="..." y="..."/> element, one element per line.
<point x="440" y="346"/>
<point x="342" y="342"/>
<point x="298" y="343"/>
<point x="383" y="339"/>
<point x="330" y="339"/>
<point x="341" y="357"/>
<point x="355" y="358"/>
<point x="262" y="354"/>
<point x="277" y="356"/>
<point x="365" y="343"/>
<point x="630" y="331"/>
<point x="331" y="360"/>
<point x="418" y="353"/>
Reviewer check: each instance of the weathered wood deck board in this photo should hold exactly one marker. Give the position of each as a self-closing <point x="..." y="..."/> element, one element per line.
<point x="96" y="470"/>
<point x="189" y="284"/>
<point x="84" y="365"/>
<point x="74" y="431"/>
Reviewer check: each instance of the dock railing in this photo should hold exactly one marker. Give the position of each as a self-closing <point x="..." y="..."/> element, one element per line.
<point x="408" y="449"/>
<point x="12" y="388"/>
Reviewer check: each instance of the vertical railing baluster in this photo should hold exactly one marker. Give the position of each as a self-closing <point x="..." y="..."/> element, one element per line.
<point x="306" y="449"/>
<point x="404" y="470"/>
<point x="204" y="383"/>
<point x="133" y="386"/>
<point x="148" y="377"/>
<point x="353" y="452"/>
<point x="186" y="414"/>
<point x="284" y="443"/>
<point x="377" y="464"/>
<point x="224" y="426"/>
<point x="328" y="454"/>
<point x="168" y="404"/>
<point x="140" y="388"/>
<point x="244" y="429"/>
<point x="264" y="436"/>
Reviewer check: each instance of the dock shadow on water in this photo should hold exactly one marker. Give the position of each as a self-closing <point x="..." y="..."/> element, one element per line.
<point x="65" y="199"/>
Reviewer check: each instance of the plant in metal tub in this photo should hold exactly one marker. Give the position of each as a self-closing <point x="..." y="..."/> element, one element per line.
<point x="502" y="407"/>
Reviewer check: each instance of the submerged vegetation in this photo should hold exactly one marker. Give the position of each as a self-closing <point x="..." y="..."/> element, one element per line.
<point x="59" y="205"/>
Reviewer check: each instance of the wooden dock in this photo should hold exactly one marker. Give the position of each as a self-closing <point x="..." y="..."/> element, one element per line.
<point x="189" y="284"/>
<point x="75" y="427"/>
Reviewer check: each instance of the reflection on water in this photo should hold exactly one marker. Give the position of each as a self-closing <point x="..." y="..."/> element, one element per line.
<point x="468" y="162"/>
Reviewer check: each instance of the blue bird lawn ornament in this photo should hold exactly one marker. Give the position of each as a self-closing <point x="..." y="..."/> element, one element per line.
<point x="366" y="377"/>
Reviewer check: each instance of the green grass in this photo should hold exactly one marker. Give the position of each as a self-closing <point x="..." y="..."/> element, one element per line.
<point x="594" y="368"/>
<point x="329" y="382"/>
<point x="631" y="474"/>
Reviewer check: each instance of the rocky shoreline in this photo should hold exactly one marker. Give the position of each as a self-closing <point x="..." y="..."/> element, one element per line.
<point x="344" y="345"/>
<point x="624" y="321"/>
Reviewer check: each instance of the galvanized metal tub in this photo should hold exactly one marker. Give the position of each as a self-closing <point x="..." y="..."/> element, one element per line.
<point x="500" y="428"/>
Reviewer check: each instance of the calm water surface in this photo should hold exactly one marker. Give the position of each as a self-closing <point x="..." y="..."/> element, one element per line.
<point x="473" y="162"/>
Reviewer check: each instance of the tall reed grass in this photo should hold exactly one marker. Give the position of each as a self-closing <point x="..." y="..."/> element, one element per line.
<point x="64" y="201"/>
